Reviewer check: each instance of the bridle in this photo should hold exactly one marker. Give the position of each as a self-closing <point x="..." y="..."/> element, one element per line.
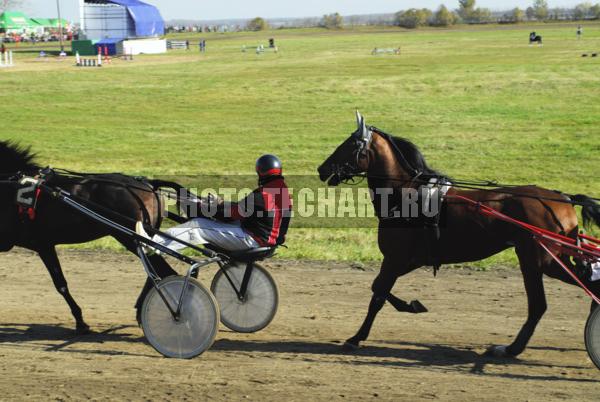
<point x="348" y="171"/>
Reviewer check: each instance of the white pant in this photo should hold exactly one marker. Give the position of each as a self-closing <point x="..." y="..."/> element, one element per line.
<point x="595" y="271"/>
<point x="228" y="236"/>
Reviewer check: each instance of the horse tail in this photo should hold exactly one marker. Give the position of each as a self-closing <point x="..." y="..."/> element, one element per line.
<point x="590" y="209"/>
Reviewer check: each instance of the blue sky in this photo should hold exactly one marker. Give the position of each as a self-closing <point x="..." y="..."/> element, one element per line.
<point x="221" y="9"/>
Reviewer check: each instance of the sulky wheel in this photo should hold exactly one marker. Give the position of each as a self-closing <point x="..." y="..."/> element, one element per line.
<point x="197" y="326"/>
<point x="257" y="309"/>
<point x="592" y="336"/>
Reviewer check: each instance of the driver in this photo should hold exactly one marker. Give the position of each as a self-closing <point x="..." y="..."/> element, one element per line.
<point x="259" y="220"/>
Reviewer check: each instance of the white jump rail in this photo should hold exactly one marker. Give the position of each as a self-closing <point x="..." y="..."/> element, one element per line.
<point x="6" y="59"/>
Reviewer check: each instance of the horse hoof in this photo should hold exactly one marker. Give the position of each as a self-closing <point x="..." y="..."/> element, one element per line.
<point x="418" y="307"/>
<point x="351" y="345"/>
<point x="83" y="329"/>
<point x="497" y="351"/>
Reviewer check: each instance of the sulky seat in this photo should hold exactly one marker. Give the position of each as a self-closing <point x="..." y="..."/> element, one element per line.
<point x="250" y="255"/>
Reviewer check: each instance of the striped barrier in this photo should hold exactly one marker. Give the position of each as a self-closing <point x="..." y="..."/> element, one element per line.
<point x="95" y="62"/>
<point x="6" y="59"/>
<point x="177" y="44"/>
<point x="260" y="49"/>
<point x="379" y="50"/>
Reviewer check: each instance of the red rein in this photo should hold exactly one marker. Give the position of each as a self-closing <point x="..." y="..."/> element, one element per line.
<point x="547" y="240"/>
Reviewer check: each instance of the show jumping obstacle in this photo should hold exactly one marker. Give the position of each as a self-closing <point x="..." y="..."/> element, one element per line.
<point x="6" y="59"/>
<point x="379" y="50"/>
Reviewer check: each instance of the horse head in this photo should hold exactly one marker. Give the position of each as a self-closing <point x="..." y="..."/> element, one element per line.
<point x="350" y="158"/>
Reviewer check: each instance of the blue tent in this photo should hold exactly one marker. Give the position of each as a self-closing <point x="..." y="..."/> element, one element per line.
<point x="147" y="18"/>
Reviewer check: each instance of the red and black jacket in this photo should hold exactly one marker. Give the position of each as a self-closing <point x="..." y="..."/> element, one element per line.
<point x="266" y="212"/>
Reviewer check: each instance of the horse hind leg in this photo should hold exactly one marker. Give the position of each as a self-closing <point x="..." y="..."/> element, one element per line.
<point x="50" y="259"/>
<point x="414" y="306"/>
<point x="531" y="268"/>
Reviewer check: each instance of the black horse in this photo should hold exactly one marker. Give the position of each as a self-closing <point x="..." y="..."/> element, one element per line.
<point x="533" y="37"/>
<point x="124" y="199"/>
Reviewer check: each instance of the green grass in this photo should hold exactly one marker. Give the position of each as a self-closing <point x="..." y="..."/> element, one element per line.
<point x="481" y="104"/>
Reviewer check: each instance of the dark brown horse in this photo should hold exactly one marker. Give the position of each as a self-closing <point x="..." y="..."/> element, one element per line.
<point x="124" y="199"/>
<point x="464" y="235"/>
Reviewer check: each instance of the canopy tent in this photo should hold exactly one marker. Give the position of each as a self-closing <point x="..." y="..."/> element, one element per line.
<point x="50" y="22"/>
<point x="14" y="20"/>
<point x="18" y="21"/>
<point x="36" y="23"/>
<point x="54" y="23"/>
<point x="44" y="22"/>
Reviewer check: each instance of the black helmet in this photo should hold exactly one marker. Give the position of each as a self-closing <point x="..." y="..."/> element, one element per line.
<point x="268" y="165"/>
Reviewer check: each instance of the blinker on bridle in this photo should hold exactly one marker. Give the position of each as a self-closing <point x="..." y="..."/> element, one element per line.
<point x="362" y="139"/>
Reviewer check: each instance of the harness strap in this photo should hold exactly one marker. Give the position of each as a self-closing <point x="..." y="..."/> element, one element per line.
<point x="414" y="173"/>
<point x="436" y="187"/>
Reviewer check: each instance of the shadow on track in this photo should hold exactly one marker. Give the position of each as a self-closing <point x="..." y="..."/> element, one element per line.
<point x="435" y="357"/>
<point x="46" y="335"/>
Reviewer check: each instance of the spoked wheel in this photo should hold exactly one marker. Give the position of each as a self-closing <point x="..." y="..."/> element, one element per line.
<point x="592" y="336"/>
<point x="257" y="309"/>
<point x="194" y="331"/>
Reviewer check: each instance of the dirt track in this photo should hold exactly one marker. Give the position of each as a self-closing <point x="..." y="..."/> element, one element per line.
<point x="436" y="355"/>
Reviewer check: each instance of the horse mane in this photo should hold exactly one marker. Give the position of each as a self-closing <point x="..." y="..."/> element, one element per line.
<point x="413" y="156"/>
<point x="15" y="158"/>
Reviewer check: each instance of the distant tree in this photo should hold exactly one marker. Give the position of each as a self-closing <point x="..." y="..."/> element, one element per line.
<point x="530" y="13"/>
<point x="481" y="15"/>
<point x="582" y="11"/>
<point x="517" y="15"/>
<point x="444" y="17"/>
<point x="469" y="14"/>
<point x="556" y="12"/>
<point x="332" y="21"/>
<point x="257" y="24"/>
<point x="354" y="20"/>
<point x="540" y="8"/>
<point x="465" y="9"/>
<point x="595" y="10"/>
<point x="308" y="22"/>
<point x="413" y="18"/>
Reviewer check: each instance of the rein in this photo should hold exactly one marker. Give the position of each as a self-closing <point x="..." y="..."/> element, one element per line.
<point x="477" y="186"/>
<point x="93" y="178"/>
<point x="414" y="173"/>
<point x="483" y="185"/>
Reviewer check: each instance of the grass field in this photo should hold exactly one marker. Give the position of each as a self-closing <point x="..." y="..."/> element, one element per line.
<point x="481" y="104"/>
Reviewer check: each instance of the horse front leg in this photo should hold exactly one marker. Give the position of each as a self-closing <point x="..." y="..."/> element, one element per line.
<point x="50" y="259"/>
<point x="382" y="285"/>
